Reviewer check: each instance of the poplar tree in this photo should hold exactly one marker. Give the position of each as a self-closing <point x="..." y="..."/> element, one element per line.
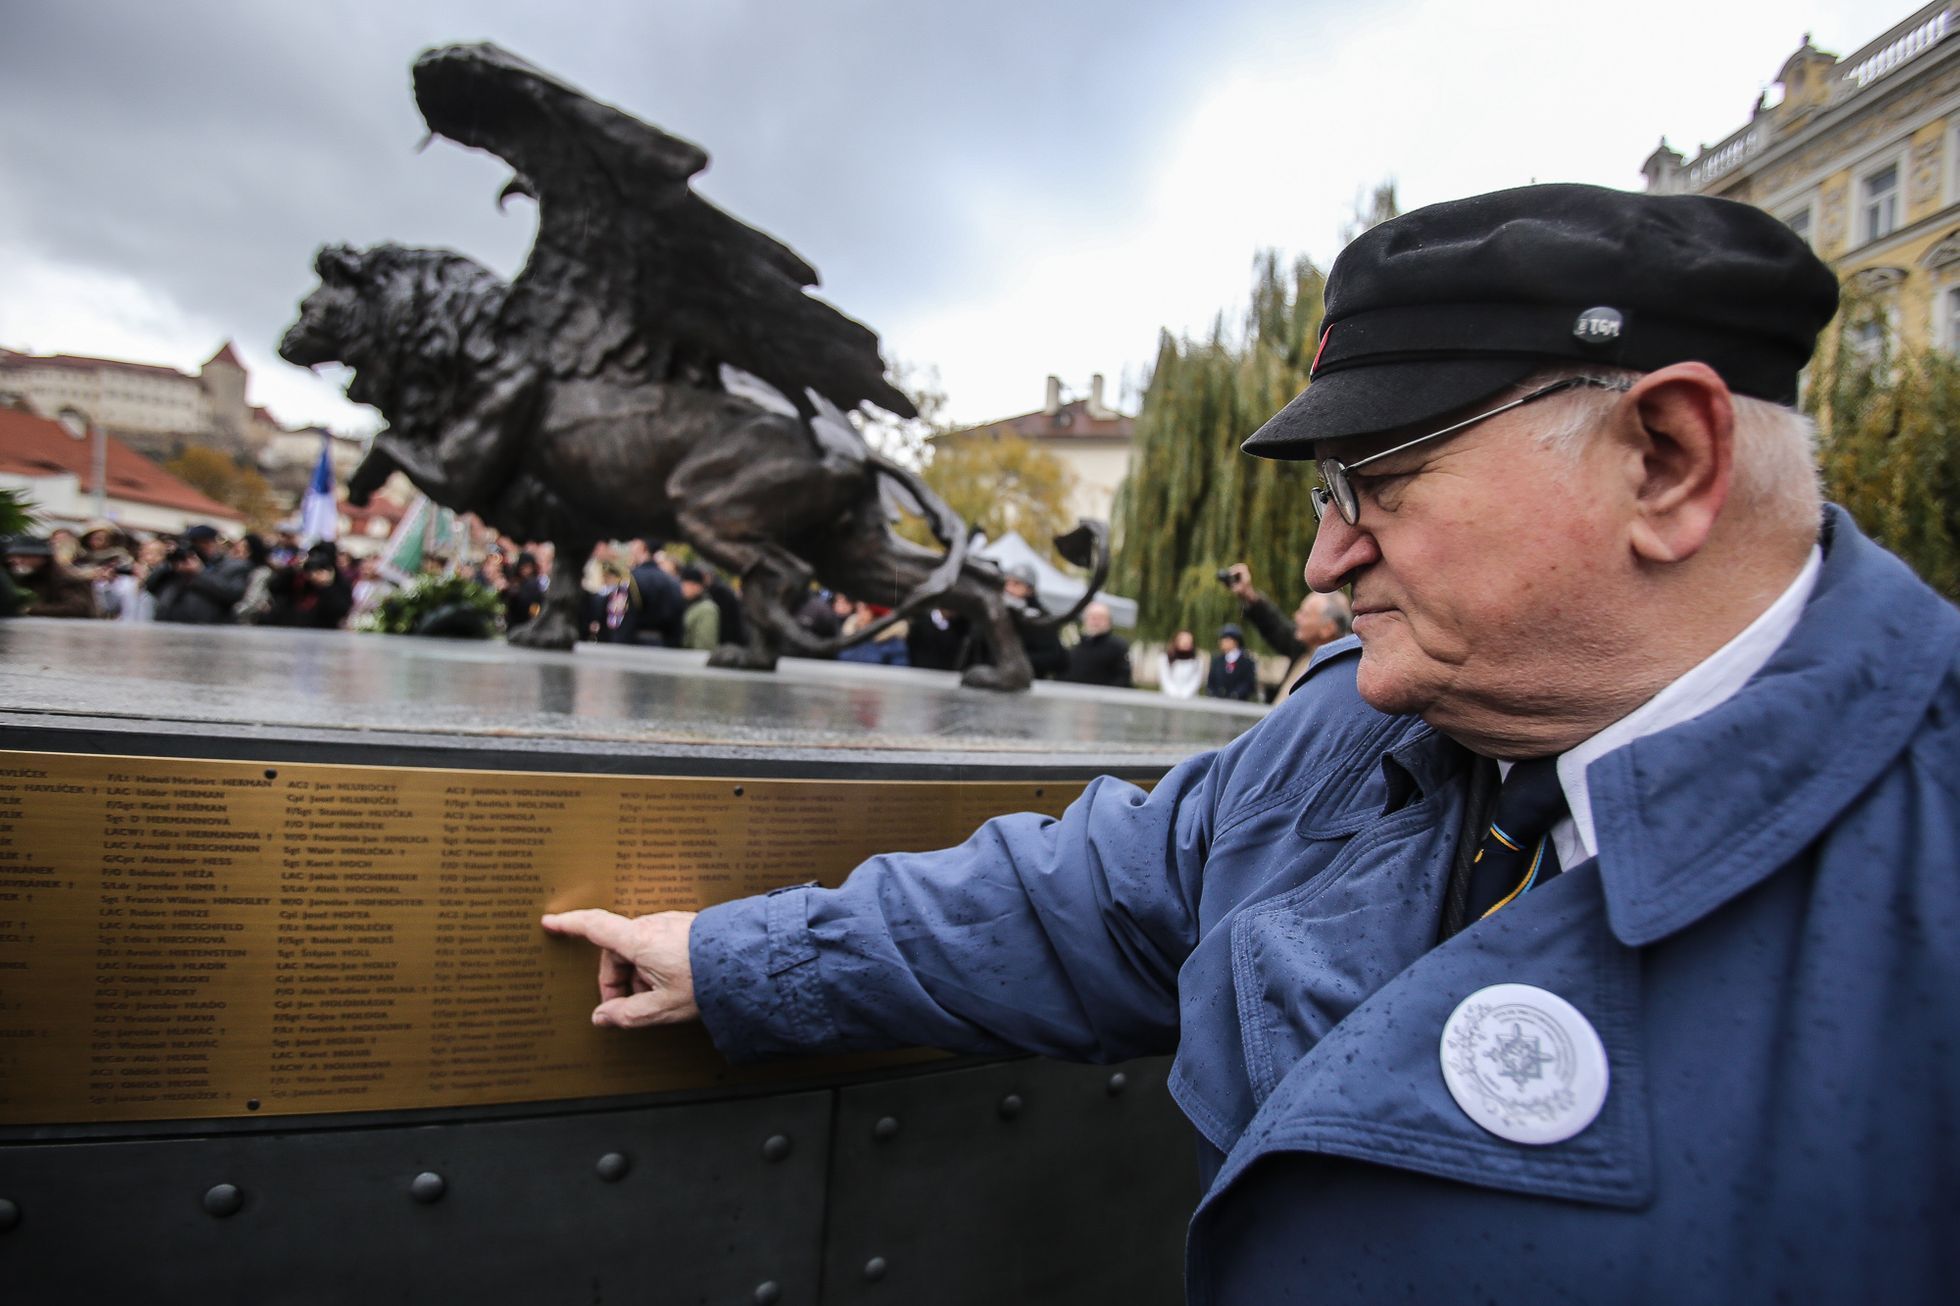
<point x="1888" y="428"/>
<point x="1192" y="503"/>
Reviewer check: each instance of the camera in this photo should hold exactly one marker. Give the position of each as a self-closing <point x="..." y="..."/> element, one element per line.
<point x="1226" y="576"/>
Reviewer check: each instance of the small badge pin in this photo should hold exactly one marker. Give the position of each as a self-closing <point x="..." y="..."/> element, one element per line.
<point x="1524" y="1064"/>
<point x="1599" y="326"/>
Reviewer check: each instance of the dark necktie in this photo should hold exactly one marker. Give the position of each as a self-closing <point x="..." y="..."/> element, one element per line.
<point x="1517" y="853"/>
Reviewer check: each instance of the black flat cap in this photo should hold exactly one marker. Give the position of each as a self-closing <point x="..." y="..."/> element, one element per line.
<point x="1449" y="305"/>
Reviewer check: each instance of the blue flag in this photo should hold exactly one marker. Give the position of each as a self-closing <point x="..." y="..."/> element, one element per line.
<point x="319" y="514"/>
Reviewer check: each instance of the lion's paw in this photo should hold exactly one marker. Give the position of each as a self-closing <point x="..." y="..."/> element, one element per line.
<point x="987" y="677"/>
<point x="739" y="657"/>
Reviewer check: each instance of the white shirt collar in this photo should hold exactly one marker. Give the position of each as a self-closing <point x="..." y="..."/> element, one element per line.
<point x="1707" y="685"/>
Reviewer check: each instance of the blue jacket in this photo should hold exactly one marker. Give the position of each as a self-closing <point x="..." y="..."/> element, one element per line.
<point x="1768" y="945"/>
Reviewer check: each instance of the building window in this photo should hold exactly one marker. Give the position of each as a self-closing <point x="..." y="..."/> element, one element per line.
<point x="1866" y="341"/>
<point x="1948" y="326"/>
<point x="1799" y="222"/>
<point x="1878" y="204"/>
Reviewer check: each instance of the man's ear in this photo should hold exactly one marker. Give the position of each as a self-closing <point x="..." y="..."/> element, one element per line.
<point x="1679" y="424"/>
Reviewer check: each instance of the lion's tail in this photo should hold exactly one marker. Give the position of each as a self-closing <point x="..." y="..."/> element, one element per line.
<point x="1085" y="546"/>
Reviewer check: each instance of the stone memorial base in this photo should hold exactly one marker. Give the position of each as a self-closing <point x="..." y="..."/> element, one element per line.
<point x="277" y="1022"/>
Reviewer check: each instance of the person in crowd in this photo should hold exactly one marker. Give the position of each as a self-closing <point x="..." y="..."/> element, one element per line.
<point x="658" y="608"/>
<point x="199" y="583"/>
<point x="65" y="546"/>
<point x="1101" y="656"/>
<point x="369" y="588"/>
<point x="1320" y="619"/>
<point x="255" y="605"/>
<point x="734" y="625"/>
<point x="523" y="591"/>
<point x="44" y="587"/>
<point x="1234" y="671"/>
<point x="491" y="572"/>
<point x="938" y="640"/>
<point x="103" y="544"/>
<point x="609" y="609"/>
<point x="126" y="597"/>
<point x="285" y="549"/>
<point x="593" y="578"/>
<point x="1181" y="667"/>
<point x="886" y="649"/>
<point x="104" y="557"/>
<point x="701" y="619"/>
<point x="1583" y="930"/>
<point x="312" y="594"/>
<point x="818" y="614"/>
<point x="1042" y="643"/>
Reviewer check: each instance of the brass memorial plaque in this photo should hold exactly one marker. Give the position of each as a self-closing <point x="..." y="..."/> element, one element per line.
<point x="184" y="938"/>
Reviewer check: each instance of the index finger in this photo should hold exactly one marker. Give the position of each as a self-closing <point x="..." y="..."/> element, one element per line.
<point x="594" y="925"/>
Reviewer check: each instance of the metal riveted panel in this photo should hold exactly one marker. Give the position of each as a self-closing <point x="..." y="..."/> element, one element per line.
<point x="522" y="1218"/>
<point x="1079" y="1196"/>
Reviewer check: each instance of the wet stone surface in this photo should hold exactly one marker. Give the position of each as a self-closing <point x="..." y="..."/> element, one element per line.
<point x="334" y="686"/>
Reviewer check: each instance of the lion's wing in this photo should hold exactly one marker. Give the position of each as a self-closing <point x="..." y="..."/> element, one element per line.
<point x="627" y="255"/>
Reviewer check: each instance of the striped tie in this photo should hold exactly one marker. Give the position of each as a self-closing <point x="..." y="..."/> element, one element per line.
<point x="1517" y="853"/>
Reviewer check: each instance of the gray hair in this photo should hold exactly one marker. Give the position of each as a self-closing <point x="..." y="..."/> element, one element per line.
<point x="1775" y="475"/>
<point x="1335" y="606"/>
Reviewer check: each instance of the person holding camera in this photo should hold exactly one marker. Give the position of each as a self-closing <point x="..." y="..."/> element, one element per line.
<point x="1320" y="619"/>
<point x="199" y="584"/>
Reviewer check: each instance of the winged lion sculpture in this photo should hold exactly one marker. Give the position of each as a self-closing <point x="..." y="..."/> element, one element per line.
<point x="610" y="390"/>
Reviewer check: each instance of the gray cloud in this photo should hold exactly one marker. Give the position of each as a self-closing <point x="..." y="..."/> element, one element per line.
<point x="205" y="149"/>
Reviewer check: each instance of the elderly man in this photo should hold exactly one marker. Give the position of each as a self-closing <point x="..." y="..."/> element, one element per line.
<point x="1101" y="656"/>
<point x="1666" y="1015"/>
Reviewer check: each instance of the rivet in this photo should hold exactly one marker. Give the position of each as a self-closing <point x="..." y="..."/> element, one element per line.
<point x="886" y="1129"/>
<point x="427" y="1187"/>
<point x="1010" y="1106"/>
<point x="768" y="1293"/>
<point x="775" y="1147"/>
<point x="738" y="791"/>
<point x="223" y="1199"/>
<point x="1118" y="1082"/>
<point x="874" y="1269"/>
<point x="613" y="1166"/>
<point x="271" y="774"/>
<point x="251" y="1104"/>
<point x="9" y="1216"/>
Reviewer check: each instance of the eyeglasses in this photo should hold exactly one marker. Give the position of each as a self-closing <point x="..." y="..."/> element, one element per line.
<point x="1337" y="489"/>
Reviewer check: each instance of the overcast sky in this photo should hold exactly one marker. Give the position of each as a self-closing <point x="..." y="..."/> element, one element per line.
<point x="1000" y="191"/>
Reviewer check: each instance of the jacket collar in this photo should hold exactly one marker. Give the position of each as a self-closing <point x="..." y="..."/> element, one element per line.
<point x="1691" y="817"/>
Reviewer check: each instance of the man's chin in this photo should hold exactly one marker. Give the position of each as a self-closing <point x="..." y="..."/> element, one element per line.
<point x="1384" y="684"/>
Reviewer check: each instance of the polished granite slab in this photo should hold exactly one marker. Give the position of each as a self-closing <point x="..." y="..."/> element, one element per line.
<point x="105" y="679"/>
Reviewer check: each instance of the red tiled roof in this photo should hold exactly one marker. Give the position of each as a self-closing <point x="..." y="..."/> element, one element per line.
<point x="225" y="354"/>
<point x="1071" y="422"/>
<point x="35" y="446"/>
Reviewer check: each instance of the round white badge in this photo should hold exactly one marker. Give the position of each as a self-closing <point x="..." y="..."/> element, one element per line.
<point x="1524" y="1064"/>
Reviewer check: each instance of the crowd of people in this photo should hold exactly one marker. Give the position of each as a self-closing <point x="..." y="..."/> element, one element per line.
<point x="197" y="578"/>
<point x="636" y="592"/>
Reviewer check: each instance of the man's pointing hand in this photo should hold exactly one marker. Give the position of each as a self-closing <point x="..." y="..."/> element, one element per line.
<point x="644" y="974"/>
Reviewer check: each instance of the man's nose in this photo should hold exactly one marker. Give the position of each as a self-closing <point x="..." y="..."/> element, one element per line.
<point x="1338" y="551"/>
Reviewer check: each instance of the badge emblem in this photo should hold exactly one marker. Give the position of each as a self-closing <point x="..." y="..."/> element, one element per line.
<point x="1524" y="1064"/>
<point x="1599" y="326"/>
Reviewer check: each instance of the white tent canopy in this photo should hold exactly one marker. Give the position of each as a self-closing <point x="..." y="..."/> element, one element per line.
<point x="1057" y="590"/>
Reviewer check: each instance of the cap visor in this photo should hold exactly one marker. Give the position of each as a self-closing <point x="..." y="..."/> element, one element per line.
<point x="1383" y="397"/>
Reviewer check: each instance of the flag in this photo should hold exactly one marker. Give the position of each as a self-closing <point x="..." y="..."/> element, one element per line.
<point x="425" y="528"/>
<point x="319" y="514"/>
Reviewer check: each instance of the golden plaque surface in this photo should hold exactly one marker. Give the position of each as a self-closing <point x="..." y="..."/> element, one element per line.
<point x="187" y="938"/>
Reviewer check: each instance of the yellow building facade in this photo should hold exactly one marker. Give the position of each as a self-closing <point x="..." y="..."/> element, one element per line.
<point x="1861" y="156"/>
